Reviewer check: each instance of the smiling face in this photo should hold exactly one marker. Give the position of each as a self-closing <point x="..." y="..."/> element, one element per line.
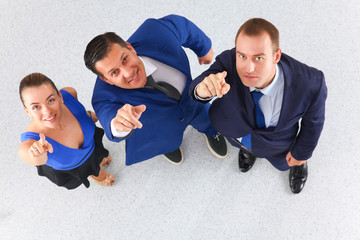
<point x="43" y="105"/>
<point x="122" y="67"/>
<point x="256" y="60"/>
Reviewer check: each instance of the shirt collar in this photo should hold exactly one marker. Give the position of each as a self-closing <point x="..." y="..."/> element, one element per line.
<point x="270" y="90"/>
<point x="149" y="67"/>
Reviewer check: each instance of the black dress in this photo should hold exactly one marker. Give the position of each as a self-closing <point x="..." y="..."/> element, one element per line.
<point x="73" y="178"/>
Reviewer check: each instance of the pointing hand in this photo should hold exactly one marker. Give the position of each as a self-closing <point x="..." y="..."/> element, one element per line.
<point x="213" y="85"/>
<point x="127" y="118"/>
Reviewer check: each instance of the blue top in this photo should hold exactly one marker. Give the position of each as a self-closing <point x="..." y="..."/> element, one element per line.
<point x="63" y="157"/>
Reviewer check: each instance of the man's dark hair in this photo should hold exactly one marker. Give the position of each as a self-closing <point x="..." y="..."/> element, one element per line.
<point x="99" y="47"/>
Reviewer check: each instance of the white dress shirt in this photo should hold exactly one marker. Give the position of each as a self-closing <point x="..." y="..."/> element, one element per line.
<point x="270" y="103"/>
<point x="160" y="73"/>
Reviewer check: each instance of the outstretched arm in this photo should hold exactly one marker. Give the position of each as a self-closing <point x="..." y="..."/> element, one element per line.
<point x="35" y="152"/>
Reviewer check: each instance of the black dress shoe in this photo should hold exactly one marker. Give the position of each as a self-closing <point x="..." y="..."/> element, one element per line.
<point x="217" y="145"/>
<point x="297" y="177"/>
<point x="176" y="157"/>
<point x="246" y="160"/>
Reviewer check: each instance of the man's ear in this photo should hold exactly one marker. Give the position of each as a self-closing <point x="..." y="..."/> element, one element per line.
<point x="105" y="80"/>
<point x="277" y="56"/>
<point x="130" y="47"/>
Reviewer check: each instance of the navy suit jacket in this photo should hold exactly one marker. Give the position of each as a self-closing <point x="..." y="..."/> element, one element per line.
<point x="164" y="119"/>
<point x="304" y="98"/>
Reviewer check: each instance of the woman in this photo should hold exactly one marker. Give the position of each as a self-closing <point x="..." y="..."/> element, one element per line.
<point x="61" y="140"/>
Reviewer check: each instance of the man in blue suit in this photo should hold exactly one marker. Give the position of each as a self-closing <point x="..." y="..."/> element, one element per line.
<point x="140" y="94"/>
<point x="263" y="96"/>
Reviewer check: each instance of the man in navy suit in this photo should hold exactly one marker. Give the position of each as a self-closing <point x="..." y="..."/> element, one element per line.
<point x="140" y="94"/>
<point x="267" y="103"/>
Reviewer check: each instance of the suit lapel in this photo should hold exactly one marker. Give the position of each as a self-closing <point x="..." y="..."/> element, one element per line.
<point x="288" y="97"/>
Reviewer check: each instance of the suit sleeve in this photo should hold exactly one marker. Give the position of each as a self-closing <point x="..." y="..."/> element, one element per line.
<point x="188" y="34"/>
<point x="105" y="108"/>
<point x="311" y="125"/>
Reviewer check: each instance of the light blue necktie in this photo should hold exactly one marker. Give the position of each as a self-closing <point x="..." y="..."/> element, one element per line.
<point x="259" y="118"/>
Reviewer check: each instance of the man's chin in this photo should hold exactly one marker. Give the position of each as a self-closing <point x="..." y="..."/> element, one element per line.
<point x="135" y="86"/>
<point x="139" y="84"/>
<point x="248" y="84"/>
<point x="251" y="83"/>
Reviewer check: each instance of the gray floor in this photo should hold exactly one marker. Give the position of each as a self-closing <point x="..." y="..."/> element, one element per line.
<point x="205" y="197"/>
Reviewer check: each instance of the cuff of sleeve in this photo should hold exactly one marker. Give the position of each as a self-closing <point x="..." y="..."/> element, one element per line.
<point x="116" y="134"/>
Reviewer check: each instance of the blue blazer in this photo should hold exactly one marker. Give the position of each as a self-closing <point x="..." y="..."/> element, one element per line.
<point x="164" y="119"/>
<point x="304" y="98"/>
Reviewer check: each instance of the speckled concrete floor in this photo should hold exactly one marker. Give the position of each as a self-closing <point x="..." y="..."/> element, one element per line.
<point x="205" y="197"/>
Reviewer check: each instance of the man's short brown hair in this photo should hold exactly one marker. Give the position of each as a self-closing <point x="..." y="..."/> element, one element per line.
<point x="256" y="26"/>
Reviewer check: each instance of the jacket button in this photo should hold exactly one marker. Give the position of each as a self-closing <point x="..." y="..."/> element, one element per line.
<point x="182" y="119"/>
